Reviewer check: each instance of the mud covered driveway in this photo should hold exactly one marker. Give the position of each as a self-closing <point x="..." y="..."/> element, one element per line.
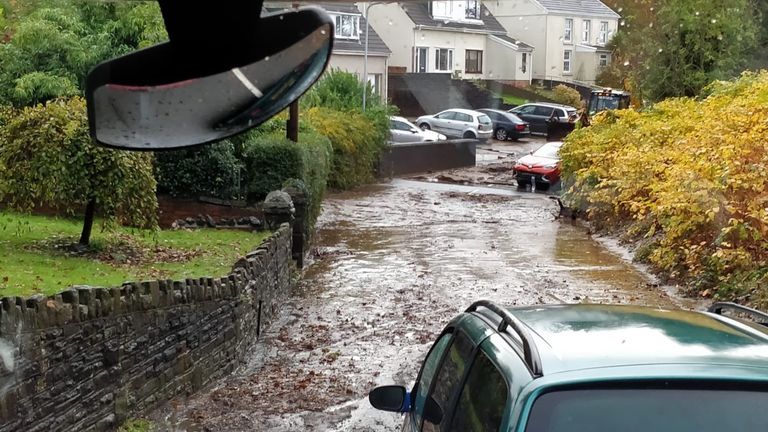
<point x="393" y="264"/>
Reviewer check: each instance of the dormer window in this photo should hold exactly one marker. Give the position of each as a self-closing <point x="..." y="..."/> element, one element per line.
<point x="347" y="26"/>
<point x="455" y="10"/>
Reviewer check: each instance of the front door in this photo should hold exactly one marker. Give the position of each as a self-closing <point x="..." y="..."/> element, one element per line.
<point x="422" y="54"/>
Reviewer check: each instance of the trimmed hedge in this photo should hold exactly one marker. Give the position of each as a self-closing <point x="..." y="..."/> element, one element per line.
<point x="271" y="159"/>
<point x="212" y="170"/>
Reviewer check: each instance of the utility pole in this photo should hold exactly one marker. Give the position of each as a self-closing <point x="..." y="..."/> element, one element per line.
<point x="365" y="51"/>
<point x="292" y="126"/>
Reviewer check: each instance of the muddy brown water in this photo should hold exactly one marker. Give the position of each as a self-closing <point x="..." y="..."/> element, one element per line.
<point x="393" y="264"/>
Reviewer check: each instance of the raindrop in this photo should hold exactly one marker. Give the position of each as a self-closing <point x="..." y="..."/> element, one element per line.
<point x="651" y="8"/>
<point x="422" y="37"/>
<point x="520" y="18"/>
<point x="697" y="13"/>
<point x="322" y="32"/>
<point x="714" y="21"/>
<point x="620" y="9"/>
<point x="561" y="38"/>
<point x="622" y="23"/>
<point x="389" y="22"/>
<point x="661" y="49"/>
<point x="650" y="25"/>
<point x="626" y="63"/>
<point x="266" y="58"/>
<point x="486" y="13"/>
<point x="280" y="17"/>
<point x="719" y="37"/>
<point x="525" y="28"/>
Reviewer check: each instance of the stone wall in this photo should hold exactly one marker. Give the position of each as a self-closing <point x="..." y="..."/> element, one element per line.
<point x="88" y="358"/>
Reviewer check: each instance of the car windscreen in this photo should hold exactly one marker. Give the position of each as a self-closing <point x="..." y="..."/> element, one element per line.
<point x="548" y="151"/>
<point x="484" y="119"/>
<point x="649" y="410"/>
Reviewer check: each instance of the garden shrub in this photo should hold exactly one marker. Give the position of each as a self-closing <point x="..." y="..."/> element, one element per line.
<point x="210" y="170"/>
<point x="271" y="159"/>
<point x="565" y="95"/>
<point x="692" y="175"/>
<point x="48" y="159"/>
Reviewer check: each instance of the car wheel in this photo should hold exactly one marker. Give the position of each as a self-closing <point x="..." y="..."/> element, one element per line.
<point x="469" y="135"/>
<point x="501" y="134"/>
<point x="522" y="184"/>
<point x="425" y="126"/>
<point x="542" y="186"/>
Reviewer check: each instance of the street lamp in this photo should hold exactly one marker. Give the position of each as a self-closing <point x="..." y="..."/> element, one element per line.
<point x="365" y="52"/>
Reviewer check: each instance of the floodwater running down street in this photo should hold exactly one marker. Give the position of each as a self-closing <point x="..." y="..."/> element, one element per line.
<point x="393" y="264"/>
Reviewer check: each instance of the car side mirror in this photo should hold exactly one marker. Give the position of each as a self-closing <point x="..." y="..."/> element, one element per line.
<point x="389" y="398"/>
<point x="179" y="94"/>
<point x="415" y="131"/>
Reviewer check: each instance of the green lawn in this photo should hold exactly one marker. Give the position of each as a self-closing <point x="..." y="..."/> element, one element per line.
<point x="514" y="100"/>
<point x="32" y="259"/>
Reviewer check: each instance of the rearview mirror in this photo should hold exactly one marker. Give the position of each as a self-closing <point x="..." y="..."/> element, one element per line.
<point x="170" y="96"/>
<point x="388" y="398"/>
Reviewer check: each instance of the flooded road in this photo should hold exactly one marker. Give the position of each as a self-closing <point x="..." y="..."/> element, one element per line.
<point x="394" y="263"/>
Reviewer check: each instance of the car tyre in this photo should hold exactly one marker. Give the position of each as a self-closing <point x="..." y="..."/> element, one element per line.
<point x="425" y="126"/>
<point x="542" y="186"/>
<point x="522" y="184"/>
<point x="469" y="135"/>
<point x="501" y="134"/>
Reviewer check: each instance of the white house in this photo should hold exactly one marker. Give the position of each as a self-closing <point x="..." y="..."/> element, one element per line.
<point x="570" y="36"/>
<point x="460" y="37"/>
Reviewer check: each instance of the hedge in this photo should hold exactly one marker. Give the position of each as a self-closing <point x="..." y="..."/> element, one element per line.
<point x="686" y="180"/>
<point x="211" y="170"/>
<point x="271" y="159"/>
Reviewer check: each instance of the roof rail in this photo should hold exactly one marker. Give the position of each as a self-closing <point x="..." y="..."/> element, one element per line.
<point x="718" y="307"/>
<point x="530" y="352"/>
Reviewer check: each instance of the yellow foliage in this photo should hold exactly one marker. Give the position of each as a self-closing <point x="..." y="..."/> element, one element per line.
<point x="691" y="175"/>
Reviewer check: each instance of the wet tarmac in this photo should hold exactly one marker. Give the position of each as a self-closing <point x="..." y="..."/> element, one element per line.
<point x="393" y="264"/>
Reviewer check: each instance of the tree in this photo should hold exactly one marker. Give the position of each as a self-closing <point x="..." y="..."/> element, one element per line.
<point x="48" y="159"/>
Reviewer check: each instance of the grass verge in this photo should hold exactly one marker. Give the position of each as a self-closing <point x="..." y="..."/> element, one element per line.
<point x="34" y="258"/>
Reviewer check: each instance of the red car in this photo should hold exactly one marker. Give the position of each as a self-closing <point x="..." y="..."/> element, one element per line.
<point x="541" y="167"/>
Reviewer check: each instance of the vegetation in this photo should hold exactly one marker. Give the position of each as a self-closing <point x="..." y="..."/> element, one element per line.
<point x="671" y="48"/>
<point x="687" y="180"/>
<point x="47" y="159"/>
<point x="35" y="257"/>
<point x="136" y="425"/>
<point x="567" y="96"/>
<point x="211" y="170"/>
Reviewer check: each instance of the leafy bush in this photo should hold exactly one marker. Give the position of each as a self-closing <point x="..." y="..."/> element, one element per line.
<point x="48" y="159"/>
<point x="690" y="176"/>
<point x="357" y="141"/>
<point x="211" y="170"/>
<point x="341" y="91"/>
<point x="565" y="95"/>
<point x="271" y="159"/>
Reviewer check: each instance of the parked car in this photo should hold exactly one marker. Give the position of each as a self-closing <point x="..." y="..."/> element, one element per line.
<point x="459" y="123"/>
<point x="602" y="368"/>
<point x="539" y="113"/>
<point x="541" y="167"/>
<point x="403" y="131"/>
<point x="506" y="125"/>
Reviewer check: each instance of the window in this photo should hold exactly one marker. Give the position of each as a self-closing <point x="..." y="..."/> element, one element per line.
<point x="527" y="109"/>
<point x="568" y="36"/>
<point x="483" y="398"/>
<point x="347" y="26"/>
<point x="449" y="377"/>
<point x="524" y="65"/>
<point x="602" y="37"/>
<point x="585" y="28"/>
<point x="374" y="80"/>
<point x="398" y="125"/>
<point x="455" y="9"/>
<point x="474" y="61"/>
<point x="463" y="117"/>
<point x="443" y="59"/>
<point x="567" y="61"/>
<point x="448" y="115"/>
<point x="543" y="111"/>
<point x="427" y="373"/>
<point x="603" y="61"/>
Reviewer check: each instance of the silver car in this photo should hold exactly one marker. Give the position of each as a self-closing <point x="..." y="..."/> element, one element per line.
<point x="403" y="131"/>
<point x="460" y="123"/>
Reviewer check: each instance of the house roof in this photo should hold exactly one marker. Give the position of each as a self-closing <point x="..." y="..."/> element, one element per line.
<point x="520" y="44"/>
<point x="579" y="7"/>
<point x="418" y="12"/>
<point x="376" y="46"/>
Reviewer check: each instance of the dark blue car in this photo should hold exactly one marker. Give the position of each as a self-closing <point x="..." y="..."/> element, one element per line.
<point x="506" y="125"/>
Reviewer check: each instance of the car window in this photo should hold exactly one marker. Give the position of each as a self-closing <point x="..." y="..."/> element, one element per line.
<point x="448" y="379"/>
<point x="543" y="111"/>
<point x="484" y="119"/>
<point x="463" y="117"/>
<point x="483" y="398"/>
<point x="394" y="124"/>
<point x="528" y="109"/>
<point x="649" y="409"/>
<point x="513" y="118"/>
<point x="448" y="115"/>
<point x="492" y="115"/>
<point x="427" y="374"/>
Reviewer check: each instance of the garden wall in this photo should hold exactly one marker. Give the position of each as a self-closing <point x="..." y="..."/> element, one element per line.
<point x="88" y="358"/>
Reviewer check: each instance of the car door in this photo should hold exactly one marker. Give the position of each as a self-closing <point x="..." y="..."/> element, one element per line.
<point x="401" y="132"/>
<point x="443" y="122"/>
<point x="461" y="122"/>
<point x="539" y="118"/>
<point x="482" y="402"/>
<point x="525" y="112"/>
<point x="444" y="387"/>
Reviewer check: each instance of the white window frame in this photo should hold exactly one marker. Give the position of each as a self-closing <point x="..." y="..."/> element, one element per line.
<point x="567" y="60"/>
<point x="568" y="34"/>
<point x="374" y="80"/>
<point x="603" y="60"/>
<point x="586" y="30"/>
<point x="602" y="37"/>
<point x="338" y="20"/>
<point x="455" y="10"/>
<point x="449" y="64"/>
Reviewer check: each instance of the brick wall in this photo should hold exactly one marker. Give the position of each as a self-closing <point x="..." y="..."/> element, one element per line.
<point x="88" y="358"/>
